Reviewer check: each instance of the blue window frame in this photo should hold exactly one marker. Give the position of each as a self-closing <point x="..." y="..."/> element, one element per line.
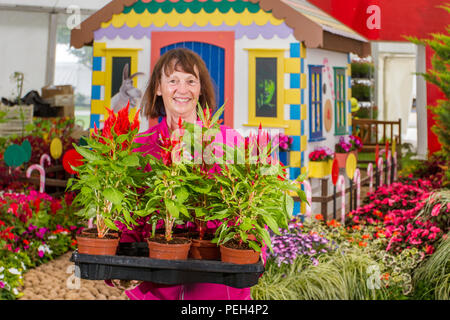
<point x="315" y="103"/>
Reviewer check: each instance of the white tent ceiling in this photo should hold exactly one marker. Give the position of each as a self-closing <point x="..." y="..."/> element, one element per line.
<point x="57" y="6"/>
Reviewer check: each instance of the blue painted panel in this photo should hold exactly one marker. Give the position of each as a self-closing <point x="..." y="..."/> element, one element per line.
<point x="97" y="64"/>
<point x="294" y="113"/>
<point x="295" y="143"/>
<point x="214" y="58"/>
<point x="296" y="210"/>
<point x="96" y="92"/>
<point x="294" y="173"/>
<point x="295" y="80"/>
<point x="295" y="50"/>
<point x="95" y="118"/>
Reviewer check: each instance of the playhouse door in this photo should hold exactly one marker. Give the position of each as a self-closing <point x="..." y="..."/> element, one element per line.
<point x="216" y="49"/>
<point x="214" y="58"/>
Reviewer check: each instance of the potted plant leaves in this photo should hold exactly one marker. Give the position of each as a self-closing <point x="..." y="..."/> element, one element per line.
<point x="108" y="182"/>
<point x="253" y="195"/>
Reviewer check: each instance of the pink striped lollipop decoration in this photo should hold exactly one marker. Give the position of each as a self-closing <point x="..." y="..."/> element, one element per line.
<point x="308" y="192"/>
<point x="395" y="166"/>
<point x="370" y="174"/>
<point x="45" y="158"/>
<point x="388" y="166"/>
<point x="357" y="180"/>
<point x="341" y="188"/>
<point x="42" y="175"/>
<point x="380" y="167"/>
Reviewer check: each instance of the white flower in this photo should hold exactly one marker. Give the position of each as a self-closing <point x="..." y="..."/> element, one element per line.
<point x="13" y="271"/>
<point x="15" y="291"/>
<point x="52" y="237"/>
<point x="2" y="276"/>
<point x="1" y="269"/>
<point x="45" y="248"/>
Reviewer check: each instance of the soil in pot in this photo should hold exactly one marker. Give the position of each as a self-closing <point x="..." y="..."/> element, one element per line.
<point x="93" y="231"/>
<point x="90" y="243"/>
<point x="203" y="249"/>
<point x="175" y="249"/>
<point x="234" y="252"/>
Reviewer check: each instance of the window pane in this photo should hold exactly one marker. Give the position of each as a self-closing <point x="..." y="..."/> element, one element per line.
<point x="266" y="87"/>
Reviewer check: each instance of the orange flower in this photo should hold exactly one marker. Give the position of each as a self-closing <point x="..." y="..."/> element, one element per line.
<point x="333" y="223"/>
<point x="74" y="242"/>
<point x="356" y="227"/>
<point x="366" y="236"/>
<point x="319" y="216"/>
<point x="385" y="276"/>
<point x="362" y="244"/>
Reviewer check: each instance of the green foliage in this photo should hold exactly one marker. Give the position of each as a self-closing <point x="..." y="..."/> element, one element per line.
<point x="433" y="275"/>
<point x="109" y="181"/>
<point x="253" y="194"/>
<point x="439" y="75"/>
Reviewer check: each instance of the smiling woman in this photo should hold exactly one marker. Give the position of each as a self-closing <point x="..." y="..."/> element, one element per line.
<point x="179" y="80"/>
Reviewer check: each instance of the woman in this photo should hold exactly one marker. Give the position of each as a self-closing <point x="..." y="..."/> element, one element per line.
<point x="179" y="80"/>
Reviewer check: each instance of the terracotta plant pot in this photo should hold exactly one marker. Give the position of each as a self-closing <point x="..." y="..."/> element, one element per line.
<point x="238" y="256"/>
<point x="204" y="250"/>
<point x="341" y="159"/>
<point x="168" y="251"/>
<point x="97" y="246"/>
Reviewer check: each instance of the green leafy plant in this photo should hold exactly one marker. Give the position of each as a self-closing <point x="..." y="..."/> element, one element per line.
<point x="252" y="194"/>
<point x="439" y="75"/>
<point x="109" y="183"/>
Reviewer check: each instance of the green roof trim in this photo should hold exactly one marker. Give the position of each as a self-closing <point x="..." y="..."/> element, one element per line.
<point x="195" y="6"/>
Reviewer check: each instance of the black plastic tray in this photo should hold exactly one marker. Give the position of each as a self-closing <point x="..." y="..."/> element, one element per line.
<point x="132" y="263"/>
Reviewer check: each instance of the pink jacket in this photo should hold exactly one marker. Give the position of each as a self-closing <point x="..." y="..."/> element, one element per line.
<point x="194" y="291"/>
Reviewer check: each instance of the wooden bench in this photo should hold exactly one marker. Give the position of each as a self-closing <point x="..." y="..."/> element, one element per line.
<point x="369" y="132"/>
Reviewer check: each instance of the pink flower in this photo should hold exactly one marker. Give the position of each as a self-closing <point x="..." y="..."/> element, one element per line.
<point x="435" y="210"/>
<point x="40" y="253"/>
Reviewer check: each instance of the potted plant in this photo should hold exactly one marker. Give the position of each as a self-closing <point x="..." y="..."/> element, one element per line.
<point x="251" y="197"/>
<point x="342" y="149"/>
<point x="108" y="182"/>
<point x="201" y="180"/>
<point x="320" y="161"/>
<point x="166" y="197"/>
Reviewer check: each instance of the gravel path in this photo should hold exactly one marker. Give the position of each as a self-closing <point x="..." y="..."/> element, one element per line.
<point x="55" y="280"/>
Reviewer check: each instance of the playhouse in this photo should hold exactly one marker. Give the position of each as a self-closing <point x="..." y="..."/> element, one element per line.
<point x="282" y="64"/>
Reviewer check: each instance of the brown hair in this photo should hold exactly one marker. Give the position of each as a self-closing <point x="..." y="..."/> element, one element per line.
<point x="179" y="59"/>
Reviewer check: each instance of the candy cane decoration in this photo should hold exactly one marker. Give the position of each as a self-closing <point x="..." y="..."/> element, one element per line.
<point x="308" y="192"/>
<point x="357" y="180"/>
<point x="370" y="174"/>
<point x="395" y="166"/>
<point x="380" y="168"/>
<point x="45" y="158"/>
<point x="341" y="187"/>
<point x="388" y="167"/>
<point x="42" y="175"/>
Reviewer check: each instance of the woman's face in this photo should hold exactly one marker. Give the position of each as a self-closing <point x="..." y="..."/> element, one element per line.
<point x="180" y="92"/>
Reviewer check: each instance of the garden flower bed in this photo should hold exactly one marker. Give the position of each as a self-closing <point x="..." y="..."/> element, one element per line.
<point x="395" y="246"/>
<point x="34" y="229"/>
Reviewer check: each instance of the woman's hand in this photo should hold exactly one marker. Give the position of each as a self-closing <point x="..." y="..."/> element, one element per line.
<point x="126" y="284"/>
